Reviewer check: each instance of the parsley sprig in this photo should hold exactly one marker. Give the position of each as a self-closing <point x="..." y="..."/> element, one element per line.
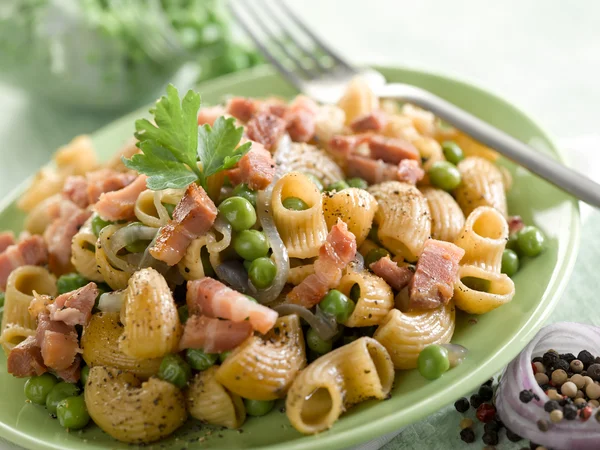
<point x="172" y="148"/>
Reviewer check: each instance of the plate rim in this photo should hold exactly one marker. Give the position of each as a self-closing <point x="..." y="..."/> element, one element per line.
<point x="384" y="425"/>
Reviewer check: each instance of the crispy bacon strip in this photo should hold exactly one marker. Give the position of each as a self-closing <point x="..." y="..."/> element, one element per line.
<point x="7" y="238"/>
<point x="373" y="121"/>
<point x="74" y="308"/>
<point x="58" y="342"/>
<point x="392" y="150"/>
<point x="75" y="190"/>
<point x="397" y="277"/>
<point x="119" y="205"/>
<point x="30" y="251"/>
<point x="301" y="118"/>
<point x="256" y="168"/>
<point x="106" y="180"/>
<point x="266" y="129"/>
<point x="25" y="360"/>
<point x="214" y="335"/>
<point x="410" y="171"/>
<point x="58" y="237"/>
<point x="241" y="108"/>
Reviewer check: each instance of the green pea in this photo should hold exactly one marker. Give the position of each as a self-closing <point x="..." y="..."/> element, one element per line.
<point x="200" y="360"/>
<point x="530" y="241"/>
<point x="85" y="373"/>
<point x="357" y="183"/>
<point x="170" y="208"/>
<point x="206" y="265"/>
<point x="262" y="272"/>
<point x="183" y="313"/>
<point x="317" y="344"/>
<point x="239" y="212"/>
<point x="137" y="246"/>
<point x="374" y="255"/>
<point x="242" y="190"/>
<point x="433" y="361"/>
<point x="72" y="413"/>
<point x="98" y="223"/>
<point x="338" y="305"/>
<point x="512" y="243"/>
<point x="510" y="262"/>
<point x="70" y="282"/>
<point x="38" y="388"/>
<point x="251" y="244"/>
<point x="444" y="175"/>
<point x="258" y="408"/>
<point x="315" y="181"/>
<point x="355" y="292"/>
<point x="174" y="370"/>
<point x="477" y="284"/>
<point x="223" y="356"/>
<point x="373" y="234"/>
<point x="295" y="204"/>
<point x="452" y="152"/>
<point x="337" y="186"/>
<point x="58" y="393"/>
<point x="247" y="265"/>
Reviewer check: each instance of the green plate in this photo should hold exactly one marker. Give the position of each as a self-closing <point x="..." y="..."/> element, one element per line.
<point x="492" y="339"/>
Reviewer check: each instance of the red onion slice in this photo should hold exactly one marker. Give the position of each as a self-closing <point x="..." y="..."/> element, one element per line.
<point x="521" y="418"/>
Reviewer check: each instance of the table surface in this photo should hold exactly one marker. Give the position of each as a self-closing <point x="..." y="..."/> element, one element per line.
<point x="539" y="54"/>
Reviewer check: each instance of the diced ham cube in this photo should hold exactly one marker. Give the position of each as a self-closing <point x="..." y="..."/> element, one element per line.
<point x="75" y="190"/>
<point x="212" y="298"/>
<point x="7" y="238"/>
<point x="58" y="342"/>
<point x="213" y="335"/>
<point x="337" y="251"/>
<point x="119" y="205"/>
<point x="25" y="360"/>
<point x="410" y="171"/>
<point x="397" y="277"/>
<point x="392" y="150"/>
<point x="193" y="216"/>
<point x="370" y="170"/>
<point x="274" y="106"/>
<point x="106" y="180"/>
<point x="345" y="145"/>
<point x="373" y="121"/>
<point x="241" y="108"/>
<point x="31" y="251"/>
<point x="209" y="114"/>
<point x="437" y="268"/>
<point x="71" y="374"/>
<point x="74" y="308"/>
<point x="266" y="129"/>
<point x="58" y="237"/>
<point x="301" y="118"/>
<point x="256" y="168"/>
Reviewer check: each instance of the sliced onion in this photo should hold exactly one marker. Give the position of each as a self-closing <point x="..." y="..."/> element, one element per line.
<point x="234" y="274"/>
<point x="324" y="325"/>
<point x="114" y="239"/>
<point x="223" y="227"/>
<point x="521" y="418"/>
<point x="112" y="301"/>
<point x="456" y="353"/>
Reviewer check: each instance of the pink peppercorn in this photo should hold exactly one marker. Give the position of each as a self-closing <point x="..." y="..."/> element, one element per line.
<point x="585" y="413"/>
<point x="486" y="413"/>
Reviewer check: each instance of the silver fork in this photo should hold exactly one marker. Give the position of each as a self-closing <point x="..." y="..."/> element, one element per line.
<point x="293" y="54"/>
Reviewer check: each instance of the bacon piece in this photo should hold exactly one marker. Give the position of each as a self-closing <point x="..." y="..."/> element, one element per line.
<point x="74" y="308"/>
<point x="392" y="150"/>
<point x="373" y="121"/>
<point x="119" y="205"/>
<point x="209" y="114"/>
<point x="58" y="237"/>
<point x="193" y="216"/>
<point x="7" y="238"/>
<point x="106" y="180"/>
<point x="433" y="282"/>
<point x="71" y="374"/>
<point x="256" y="168"/>
<point x="274" y="106"/>
<point x="31" y="251"/>
<point x="301" y="118"/>
<point x="25" y="360"/>
<point x="410" y="171"/>
<point x="241" y="108"/>
<point x="345" y="145"/>
<point x="212" y="298"/>
<point x="397" y="277"/>
<point x="75" y="189"/>
<point x="57" y="341"/>
<point x="370" y="170"/>
<point x="334" y="255"/>
<point x="213" y="335"/>
<point x="266" y="129"/>
<point x="515" y="224"/>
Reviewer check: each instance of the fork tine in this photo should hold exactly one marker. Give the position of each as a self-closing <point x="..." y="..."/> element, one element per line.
<point x="330" y="52"/>
<point x="244" y="23"/>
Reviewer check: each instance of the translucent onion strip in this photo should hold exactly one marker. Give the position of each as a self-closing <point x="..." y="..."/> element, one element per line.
<point x="114" y="238"/>
<point x="325" y="326"/>
<point x="112" y="301"/>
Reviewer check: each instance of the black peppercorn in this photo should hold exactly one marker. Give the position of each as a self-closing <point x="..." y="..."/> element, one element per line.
<point x="526" y="396"/>
<point x="594" y="371"/>
<point x="488" y="382"/>
<point x="512" y="437"/>
<point x="570" y="412"/>
<point x="533" y="445"/>
<point x="537" y="359"/>
<point x="490" y="438"/>
<point x="568" y="357"/>
<point x="549" y="359"/>
<point x="543" y="425"/>
<point x="562" y="364"/>
<point x="486" y="392"/>
<point x="586" y="358"/>
<point x="467" y="435"/>
<point x="491" y="427"/>
<point x="476" y="401"/>
<point x="551" y="405"/>
<point x="462" y="405"/>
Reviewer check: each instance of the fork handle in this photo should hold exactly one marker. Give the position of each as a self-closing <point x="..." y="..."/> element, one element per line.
<point x="565" y="178"/>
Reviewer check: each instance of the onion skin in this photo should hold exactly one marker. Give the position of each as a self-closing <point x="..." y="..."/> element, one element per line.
<point x="522" y="418"/>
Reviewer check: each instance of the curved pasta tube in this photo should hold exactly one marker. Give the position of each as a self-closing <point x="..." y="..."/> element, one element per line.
<point x="423" y="121"/>
<point x="131" y="411"/>
<point x="190" y="266"/>
<point x="264" y="368"/>
<point x="296" y="275"/>
<point x="149" y="316"/>
<point x="404" y="335"/>
<point x="358" y="99"/>
<point x="483" y="238"/>
<point x="83" y="253"/>
<point x="46" y="183"/>
<point x="77" y="157"/>
<point x="481" y="185"/>
<point x="337" y="380"/>
<point x="375" y="301"/>
<point x="302" y="232"/>
<point x="403" y="217"/>
<point x="17" y="323"/>
<point x="402" y="127"/>
<point x="430" y="151"/>
<point x="39" y="218"/>
<point x="330" y="121"/>
<point x="308" y="159"/>
<point x="100" y="345"/>
<point x="210" y="402"/>
<point x="501" y="290"/>
<point x="354" y="206"/>
<point x="149" y="206"/>
<point x="447" y="219"/>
